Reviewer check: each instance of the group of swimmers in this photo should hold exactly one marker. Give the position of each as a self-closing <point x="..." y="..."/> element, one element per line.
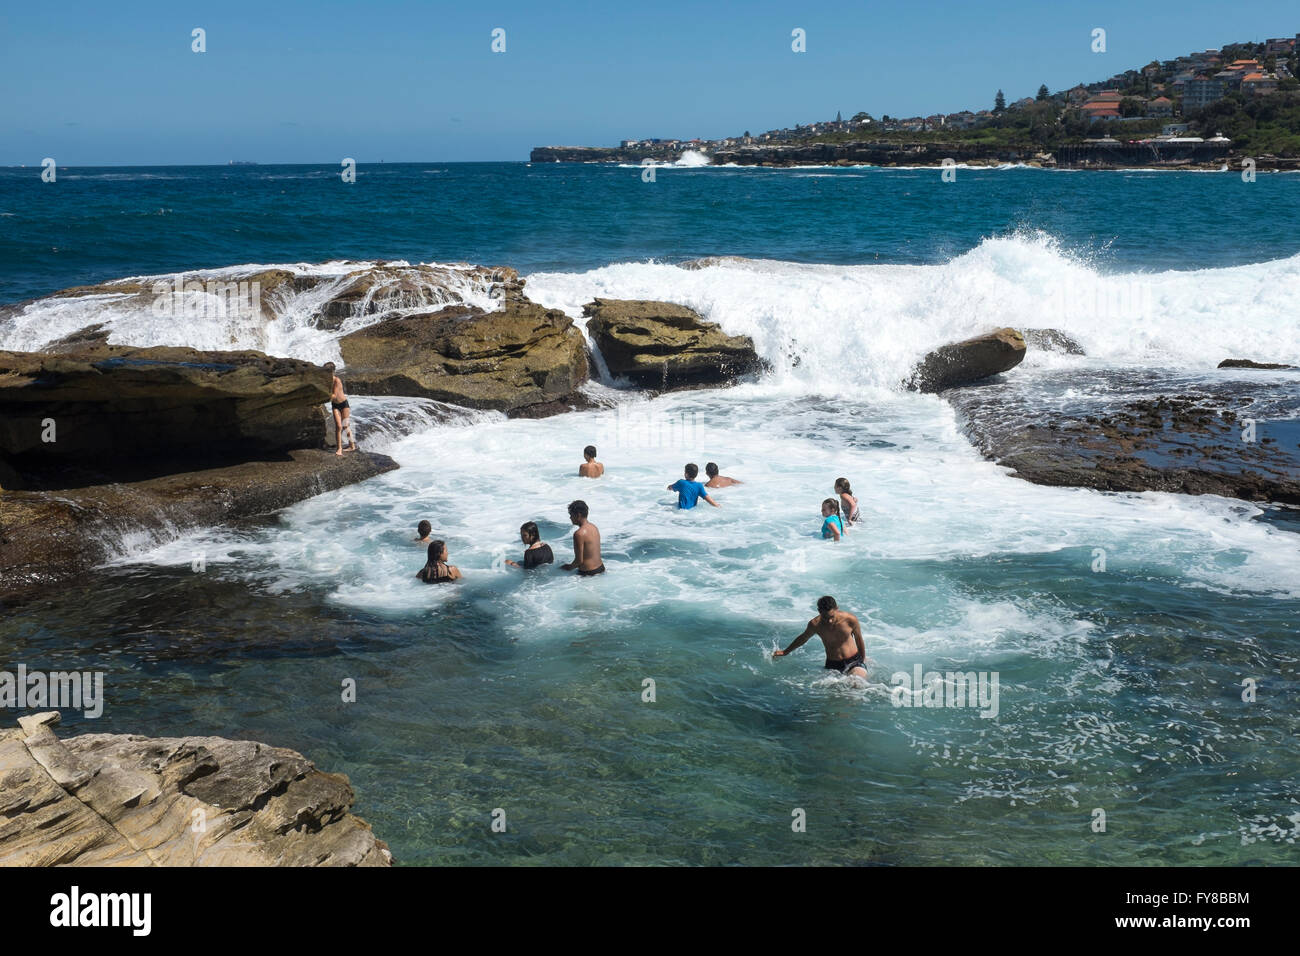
<point x="840" y="631"/>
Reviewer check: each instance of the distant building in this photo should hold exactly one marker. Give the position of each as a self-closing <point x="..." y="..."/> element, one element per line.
<point x="1257" y="84"/>
<point x="1161" y="106"/>
<point x="1200" y="92"/>
<point x="629" y="143"/>
<point x="1174" y="129"/>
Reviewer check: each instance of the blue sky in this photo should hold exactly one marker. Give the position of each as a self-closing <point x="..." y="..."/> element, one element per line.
<point x="117" y="83"/>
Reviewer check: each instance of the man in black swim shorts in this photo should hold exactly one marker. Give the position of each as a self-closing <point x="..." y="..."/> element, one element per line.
<point x="841" y="634"/>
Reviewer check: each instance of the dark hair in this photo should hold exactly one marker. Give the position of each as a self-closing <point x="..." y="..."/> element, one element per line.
<point x="692" y="470"/>
<point x="710" y="469"/>
<point x="590" y="451"/>
<point x="430" y="570"/>
<point x="834" y="505"/>
<point x="329" y="366"/>
<point x="423" y="528"/>
<point x="842" y="486"/>
<point x="578" y="508"/>
<point x="529" y="530"/>
<point x="826" y="603"/>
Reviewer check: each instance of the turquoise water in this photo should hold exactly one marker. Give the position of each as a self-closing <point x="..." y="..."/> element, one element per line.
<point x="1119" y="689"/>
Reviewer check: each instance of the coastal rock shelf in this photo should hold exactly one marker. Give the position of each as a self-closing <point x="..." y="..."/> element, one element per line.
<point x="118" y="403"/>
<point x="127" y="800"/>
<point x="1220" y="440"/>
<point x="523" y="359"/>
<point x="666" y="346"/>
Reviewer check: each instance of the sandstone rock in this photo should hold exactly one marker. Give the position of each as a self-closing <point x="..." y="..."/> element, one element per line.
<point x="110" y="403"/>
<point x="386" y="288"/>
<point x="1247" y="363"/>
<point x="518" y="358"/>
<point x="48" y="536"/>
<point x="127" y="800"/>
<point x="1052" y="340"/>
<point x="968" y="361"/>
<point x="666" y="346"/>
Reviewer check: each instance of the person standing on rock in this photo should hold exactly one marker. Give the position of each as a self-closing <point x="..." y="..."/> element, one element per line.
<point x="342" y="412"/>
<point x="841" y="634"/>
<point x="586" y="543"/>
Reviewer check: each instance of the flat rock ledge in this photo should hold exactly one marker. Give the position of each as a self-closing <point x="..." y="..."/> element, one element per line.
<point x="127" y="800"/>
<point x="48" y="536"/>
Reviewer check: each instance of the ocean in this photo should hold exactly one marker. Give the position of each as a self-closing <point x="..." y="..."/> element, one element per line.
<point x="638" y="717"/>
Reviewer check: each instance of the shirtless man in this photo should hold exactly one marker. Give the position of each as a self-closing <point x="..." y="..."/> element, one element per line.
<point x="841" y="634"/>
<point x="342" y="412"/>
<point x="590" y="468"/>
<point x="586" y="543"/>
<point x="716" y="480"/>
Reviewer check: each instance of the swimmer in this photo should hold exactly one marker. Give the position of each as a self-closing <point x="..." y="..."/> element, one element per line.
<point x="841" y="635"/>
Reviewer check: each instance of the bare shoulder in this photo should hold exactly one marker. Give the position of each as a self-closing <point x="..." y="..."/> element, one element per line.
<point x="852" y="619"/>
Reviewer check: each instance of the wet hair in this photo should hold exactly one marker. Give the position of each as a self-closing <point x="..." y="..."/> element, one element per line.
<point x="578" y="508"/>
<point x="692" y="470"/>
<point x="329" y="366"/>
<point x="832" y="504"/>
<point x="423" y="528"/>
<point x="529" y="530"/>
<point x="826" y="604"/>
<point x="842" y="486"/>
<point x="711" y="469"/>
<point x="590" y="451"/>
<point x="430" y="570"/>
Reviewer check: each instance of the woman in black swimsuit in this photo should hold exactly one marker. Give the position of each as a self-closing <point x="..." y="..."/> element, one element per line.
<point x="537" y="552"/>
<point x="437" y="570"/>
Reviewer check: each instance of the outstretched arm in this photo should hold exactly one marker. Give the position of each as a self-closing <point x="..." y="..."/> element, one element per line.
<point x="711" y="501"/>
<point x="797" y="643"/>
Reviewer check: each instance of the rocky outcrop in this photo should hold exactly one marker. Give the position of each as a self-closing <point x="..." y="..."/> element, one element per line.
<point x="389" y="288"/>
<point x="666" y="346"/>
<point x="517" y="360"/>
<point x="1247" y="363"/>
<point x="48" y="536"/>
<point x="1220" y="440"/>
<point x="969" y="361"/>
<point x="116" y="404"/>
<point x="126" y="800"/>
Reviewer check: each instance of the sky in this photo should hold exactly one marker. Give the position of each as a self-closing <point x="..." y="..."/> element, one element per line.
<point x="284" y="81"/>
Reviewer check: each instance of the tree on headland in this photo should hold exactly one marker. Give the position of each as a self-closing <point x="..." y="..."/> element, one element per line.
<point x="861" y="117"/>
<point x="999" y="102"/>
<point x="1042" y="93"/>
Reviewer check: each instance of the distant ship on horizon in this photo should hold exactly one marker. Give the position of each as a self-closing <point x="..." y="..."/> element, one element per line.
<point x="242" y="162"/>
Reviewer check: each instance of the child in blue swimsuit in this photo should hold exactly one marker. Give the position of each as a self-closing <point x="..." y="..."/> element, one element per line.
<point x="832" y="523"/>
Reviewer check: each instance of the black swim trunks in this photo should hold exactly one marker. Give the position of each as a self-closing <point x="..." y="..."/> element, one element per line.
<point x="587" y="574"/>
<point x="339" y="406"/>
<point x="846" y="665"/>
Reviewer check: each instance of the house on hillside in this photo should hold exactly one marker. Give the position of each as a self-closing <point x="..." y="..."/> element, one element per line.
<point x="1200" y="93"/>
<point x="1258" y="84"/>
<point x="1161" y="106"/>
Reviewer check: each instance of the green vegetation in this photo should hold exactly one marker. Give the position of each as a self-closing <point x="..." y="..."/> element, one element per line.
<point x="1261" y="124"/>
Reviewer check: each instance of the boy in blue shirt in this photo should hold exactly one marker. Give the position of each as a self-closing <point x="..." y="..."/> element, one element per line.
<point x="689" y="490"/>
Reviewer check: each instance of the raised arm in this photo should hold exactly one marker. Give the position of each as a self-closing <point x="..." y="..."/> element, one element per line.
<point x="798" y="642"/>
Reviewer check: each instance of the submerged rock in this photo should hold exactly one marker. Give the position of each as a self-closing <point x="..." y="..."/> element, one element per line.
<point x="127" y="800"/>
<point x="666" y="346"/>
<point x="961" y="363"/>
<point x="1247" y="363"/>
<point x="519" y="360"/>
